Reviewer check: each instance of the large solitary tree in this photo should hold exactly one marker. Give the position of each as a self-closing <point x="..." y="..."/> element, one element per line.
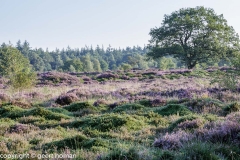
<point x="193" y="35"/>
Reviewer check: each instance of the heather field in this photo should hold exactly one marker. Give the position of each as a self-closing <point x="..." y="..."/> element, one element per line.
<point x="123" y="115"/>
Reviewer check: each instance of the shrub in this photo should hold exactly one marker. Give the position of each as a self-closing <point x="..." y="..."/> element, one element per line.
<point x="182" y="119"/>
<point x="66" y="99"/>
<point x="107" y="122"/>
<point x="75" y="142"/>
<point x="60" y="110"/>
<point x="145" y="102"/>
<point x="42" y="112"/>
<point x="131" y="154"/>
<point x="95" y="142"/>
<point x="107" y="76"/>
<point x="234" y="107"/>
<point x="198" y="151"/>
<point x="11" y="111"/>
<point x="171" y="109"/>
<point x="79" y="106"/>
<point x="22" y="128"/>
<point x="173" y="141"/>
<point x="127" y="107"/>
<point x="188" y="125"/>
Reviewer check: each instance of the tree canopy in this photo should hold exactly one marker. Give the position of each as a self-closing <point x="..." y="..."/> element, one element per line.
<point x="16" y="67"/>
<point x="193" y="36"/>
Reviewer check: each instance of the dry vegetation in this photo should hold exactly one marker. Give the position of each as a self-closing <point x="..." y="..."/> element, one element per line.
<point x="130" y="115"/>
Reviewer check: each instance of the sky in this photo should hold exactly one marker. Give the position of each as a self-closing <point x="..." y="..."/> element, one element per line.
<point x="77" y="23"/>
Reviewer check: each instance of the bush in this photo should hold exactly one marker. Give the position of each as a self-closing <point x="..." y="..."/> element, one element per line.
<point x="234" y="107"/>
<point x="60" y="110"/>
<point x="171" y="109"/>
<point x="198" y="151"/>
<point x="11" y="111"/>
<point x="107" y="122"/>
<point x="42" y="112"/>
<point x="17" y="68"/>
<point x="127" y="107"/>
<point x="79" y="106"/>
<point x="131" y="154"/>
<point x="145" y="102"/>
<point x="66" y="99"/>
<point x="182" y="119"/>
<point x="76" y="142"/>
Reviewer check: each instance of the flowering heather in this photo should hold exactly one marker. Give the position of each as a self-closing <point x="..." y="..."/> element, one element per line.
<point x="173" y="141"/>
<point x="196" y="123"/>
<point x="66" y="99"/>
<point x="107" y="75"/>
<point x="227" y="131"/>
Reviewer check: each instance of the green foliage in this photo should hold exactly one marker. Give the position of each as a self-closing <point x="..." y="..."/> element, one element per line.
<point x="60" y="110"/>
<point x="75" y="142"/>
<point x="193" y="35"/>
<point x="11" y="111"/>
<point x="42" y="112"/>
<point x="234" y="107"/>
<point x="107" y="122"/>
<point x="166" y="63"/>
<point x="145" y="102"/>
<point x="182" y="119"/>
<point x="167" y="155"/>
<point x="74" y="107"/>
<point x="16" y="67"/>
<point x="131" y="154"/>
<point x="128" y="107"/>
<point x="225" y="79"/>
<point x="74" y="65"/>
<point x="171" y="109"/>
<point x="207" y="151"/>
<point x="126" y="66"/>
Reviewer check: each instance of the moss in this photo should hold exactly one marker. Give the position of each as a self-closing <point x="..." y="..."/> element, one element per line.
<point x="79" y="106"/>
<point x="171" y="109"/>
<point x="127" y="107"/>
<point x="233" y="107"/>
<point x="107" y="122"/>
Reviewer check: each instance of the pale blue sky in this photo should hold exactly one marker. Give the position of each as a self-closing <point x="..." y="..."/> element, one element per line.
<point x="120" y="23"/>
